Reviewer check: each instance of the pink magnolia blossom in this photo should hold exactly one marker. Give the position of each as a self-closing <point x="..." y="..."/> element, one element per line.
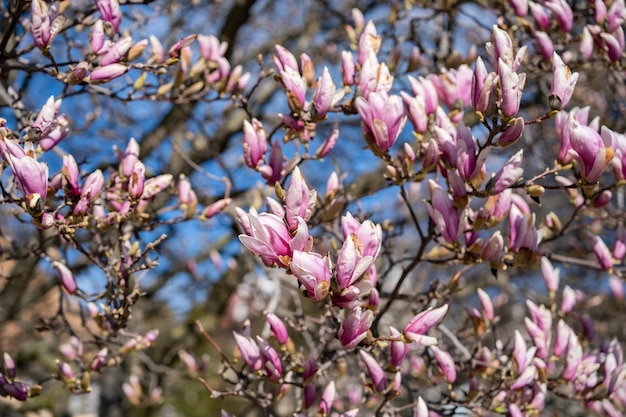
<point x="116" y="52"/>
<point x="444" y="215"/>
<point x="136" y="181"/>
<point x="249" y="350"/>
<point x="382" y="120"/>
<point x="283" y="59"/>
<point x="278" y="328"/>
<point x="469" y="162"/>
<point x="569" y="300"/>
<point x="520" y="7"/>
<point x="523" y="233"/>
<point x="415" y="111"/>
<point x="58" y="130"/>
<point x="254" y="143"/>
<point x="351" y="265"/>
<point x="592" y="151"/>
<point x="348" y="69"/>
<point x="446" y="142"/>
<point x="375" y="371"/>
<point x="325" y="95"/>
<point x="270" y="360"/>
<point x="32" y="179"/>
<point x="454" y="86"/>
<point x="369" y="234"/>
<point x="326" y="402"/>
<point x="446" y="363"/>
<point x="97" y="38"/>
<point x="540" y="14"/>
<point x="299" y="200"/>
<point x="493" y="247"/>
<point x="111" y="12"/>
<point x="355" y="326"/>
<point x="563" y="14"/>
<point x="67" y="278"/>
<point x="563" y="81"/>
<point x="211" y="48"/>
<point x="374" y="77"/>
<point x="601" y="250"/>
<point x="544" y="44"/>
<point x="512" y="132"/>
<point x="369" y="41"/>
<point x="296" y="87"/>
<point x="329" y="143"/>
<point x="482" y="86"/>
<point x="45" y="24"/>
<point x="573" y="358"/>
<point x="512" y="85"/>
<point x="272" y="172"/>
<point x="486" y="304"/>
<point x="398" y="350"/>
<point x="269" y="237"/>
<point x="313" y="272"/>
<point x="501" y="48"/>
<point x="419" y="325"/>
<point x="129" y="157"/>
<point x="108" y="72"/>
<point x="424" y="87"/>
<point x="550" y="275"/>
<point x="507" y="175"/>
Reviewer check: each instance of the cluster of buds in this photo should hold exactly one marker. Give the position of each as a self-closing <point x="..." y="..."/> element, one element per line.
<point x="347" y="280"/>
<point x="12" y="388"/>
<point x="606" y="33"/>
<point x="135" y="394"/>
<point x="557" y="355"/>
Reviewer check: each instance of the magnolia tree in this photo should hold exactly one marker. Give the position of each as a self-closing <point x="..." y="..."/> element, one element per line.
<point x="329" y="208"/>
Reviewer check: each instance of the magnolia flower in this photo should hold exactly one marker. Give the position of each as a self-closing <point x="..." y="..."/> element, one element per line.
<point x="272" y="172"/>
<point x="111" y="12"/>
<point x="562" y="12"/>
<point x="45" y="24"/>
<point x="563" y="81"/>
<point x="512" y="85"/>
<point x="67" y="278"/>
<point x="482" y="86"/>
<point x="299" y="200"/>
<point x="278" y="328"/>
<point x="116" y="52"/>
<point x="254" y="143"/>
<point x="446" y="363"/>
<point x="324" y="95"/>
<point x="382" y="120"/>
<point x="268" y="236"/>
<point x="355" y="326"/>
<point x="32" y="179"/>
<point x="443" y="214"/>
<point x="369" y="41"/>
<point x="313" y="272"/>
<point x="398" y="350"/>
<point x="271" y="362"/>
<point x="507" y="175"/>
<point x="108" y="72"/>
<point x="420" y="324"/>
<point x="375" y="371"/>
<point x="283" y="59"/>
<point x="249" y="350"/>
<point x="593" y="151"/>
